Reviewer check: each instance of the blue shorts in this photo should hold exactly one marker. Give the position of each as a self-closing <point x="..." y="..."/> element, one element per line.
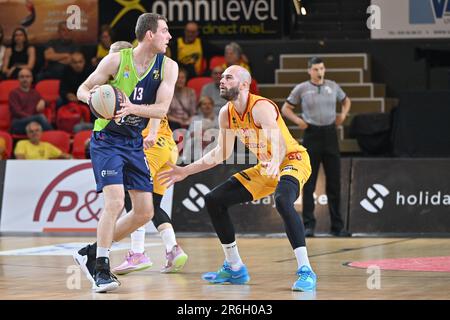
<point x="119" y="159"/>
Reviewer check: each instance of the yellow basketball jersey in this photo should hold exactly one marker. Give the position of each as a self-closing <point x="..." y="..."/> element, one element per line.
<point x="190" y="53"/>
<point x="164" y="129"/>
<point x="252" y="136"/>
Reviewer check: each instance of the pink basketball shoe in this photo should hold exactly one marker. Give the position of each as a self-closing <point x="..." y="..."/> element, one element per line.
<point x="133" y="262"/>
<point x="175" y="260"/>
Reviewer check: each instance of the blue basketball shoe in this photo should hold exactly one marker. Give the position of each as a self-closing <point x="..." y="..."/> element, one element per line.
<point x="227" y="275"/>
<point x="307" y="280"/>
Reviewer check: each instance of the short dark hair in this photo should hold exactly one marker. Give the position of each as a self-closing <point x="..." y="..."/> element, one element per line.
<point x="314" y="60"/>
<point x="145" y="22"/>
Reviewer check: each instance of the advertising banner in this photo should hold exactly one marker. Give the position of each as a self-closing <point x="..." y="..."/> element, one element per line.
<point x="409" y="19"/>
<point x="53" y="196"/>
<point x="41" y="17"/>
<point x="218" y="19"/>
<point x="260" y="216"/>
<point x="400" y="196"/>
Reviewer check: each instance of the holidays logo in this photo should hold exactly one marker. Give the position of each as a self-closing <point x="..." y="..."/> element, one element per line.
<point x="196" y="199"/>
<point x="428" y="11"/>
<point x="377" y="193"/>
<point x="375" y="198"/>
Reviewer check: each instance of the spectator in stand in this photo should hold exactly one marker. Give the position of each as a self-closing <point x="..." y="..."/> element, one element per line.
<point x="200" y="133"/>
<point x="35" y="149"/>
<point x="105" y="41"/>
<point x="73" y="76"/>
<point x="26" y="104"/>
<point x="183" y="105"/>
<point x="190" y="50"/>
<point x="3" y="155"/>
<point x="19" y="55"/>
<point x="57" y="55"/>
<point x="2" y="50"/>
<point x="234" y="56"/>
<point x="206" y="115"/>
<point x="212" y="89"/>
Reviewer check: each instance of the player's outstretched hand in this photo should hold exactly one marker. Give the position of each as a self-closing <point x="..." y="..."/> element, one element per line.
<point x="172" y="175"/>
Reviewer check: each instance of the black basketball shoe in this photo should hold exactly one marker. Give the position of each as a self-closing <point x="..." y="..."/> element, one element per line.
<point x="104" y="279"/>
<point x="85" y="258"/>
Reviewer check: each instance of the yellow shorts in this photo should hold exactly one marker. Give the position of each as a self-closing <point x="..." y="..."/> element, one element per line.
<point x="163" y="151"/>
<point x="296" y="165"/>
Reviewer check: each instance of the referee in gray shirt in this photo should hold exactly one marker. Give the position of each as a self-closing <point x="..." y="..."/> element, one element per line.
<point x="317" y="98"/>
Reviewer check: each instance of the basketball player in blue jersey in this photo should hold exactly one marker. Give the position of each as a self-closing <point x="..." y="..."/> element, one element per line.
<point x="148" y="79"/>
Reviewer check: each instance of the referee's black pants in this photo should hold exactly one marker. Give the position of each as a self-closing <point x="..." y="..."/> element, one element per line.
<point x="323" y="147"/>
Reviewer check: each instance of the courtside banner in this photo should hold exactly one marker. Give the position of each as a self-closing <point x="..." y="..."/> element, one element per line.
<point x="53" y="196"/>
<point x="409" y="19"/>
<point x="400" y="196"/>
<point x="190" y="213"/>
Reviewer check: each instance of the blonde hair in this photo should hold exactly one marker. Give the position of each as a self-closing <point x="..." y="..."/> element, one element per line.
<point x="119" y="45"/>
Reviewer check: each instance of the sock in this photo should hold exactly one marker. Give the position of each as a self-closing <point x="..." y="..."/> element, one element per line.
<point x="138" y="240"/>
<point x="168" y="238"/>
<point x="232" y="255"/>
<point x="102" y="252"/>
<point x="302" y="257"/>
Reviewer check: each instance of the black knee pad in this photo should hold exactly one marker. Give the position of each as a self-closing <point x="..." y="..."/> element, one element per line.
<point x="160" y="215"/>
<point x="286" y="193"/>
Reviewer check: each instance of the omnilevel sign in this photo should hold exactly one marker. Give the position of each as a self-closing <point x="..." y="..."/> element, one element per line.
<point x="401" y="195"/>
<point x="221" y="19"/>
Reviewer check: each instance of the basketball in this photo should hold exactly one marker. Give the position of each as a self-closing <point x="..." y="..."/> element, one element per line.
<point x="105" y="101"/>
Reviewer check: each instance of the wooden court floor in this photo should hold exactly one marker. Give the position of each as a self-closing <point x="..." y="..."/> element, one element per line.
<point x="270" y="262"/>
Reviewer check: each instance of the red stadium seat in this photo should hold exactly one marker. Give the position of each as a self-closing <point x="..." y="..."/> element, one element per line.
<point x="197" y="84"/>
<point x="5" y="117"/>
<point x="79" y="144"/>
<point x="49" y="90"/>
<point x="6" y="86"/>
<point x="8" y="142"/>
<point x="58" y="138"/>
<point x="216" y="61"/>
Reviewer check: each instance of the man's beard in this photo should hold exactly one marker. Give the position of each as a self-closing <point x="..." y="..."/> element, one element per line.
<point x="230" y="94"/>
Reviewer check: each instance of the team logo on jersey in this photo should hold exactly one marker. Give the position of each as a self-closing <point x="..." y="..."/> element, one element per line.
<point x="126" y="72"/>
<point x="155" y="74"/>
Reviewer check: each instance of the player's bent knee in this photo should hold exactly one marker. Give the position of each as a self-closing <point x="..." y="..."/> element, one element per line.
<point x="282" y="203"/>
<point x="144" y="213"/>
<point x="212" y="199"/>
<point x="114" y="207"/>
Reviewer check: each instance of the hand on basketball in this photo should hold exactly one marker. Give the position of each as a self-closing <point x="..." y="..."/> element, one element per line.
<point x="90" y="93"/>
<point x="172" y="175"/>
<point x="127" y="108"/>
<point x="272" y="169"/>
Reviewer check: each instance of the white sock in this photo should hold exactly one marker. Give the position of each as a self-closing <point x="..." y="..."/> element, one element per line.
<point x="232" y="255"/>
<point x="138" y="240"/>
<point x="302" y="257"/>
<point x="102" y="252"/>
<point x="168" y="238"/>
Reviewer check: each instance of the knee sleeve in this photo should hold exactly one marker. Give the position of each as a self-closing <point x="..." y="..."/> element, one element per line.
<point x="160" y="215"/>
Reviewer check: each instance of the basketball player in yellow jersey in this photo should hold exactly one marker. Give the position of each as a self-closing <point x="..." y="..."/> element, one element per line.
<point x="159" y="148"/>
<point x="283" y="168"/>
